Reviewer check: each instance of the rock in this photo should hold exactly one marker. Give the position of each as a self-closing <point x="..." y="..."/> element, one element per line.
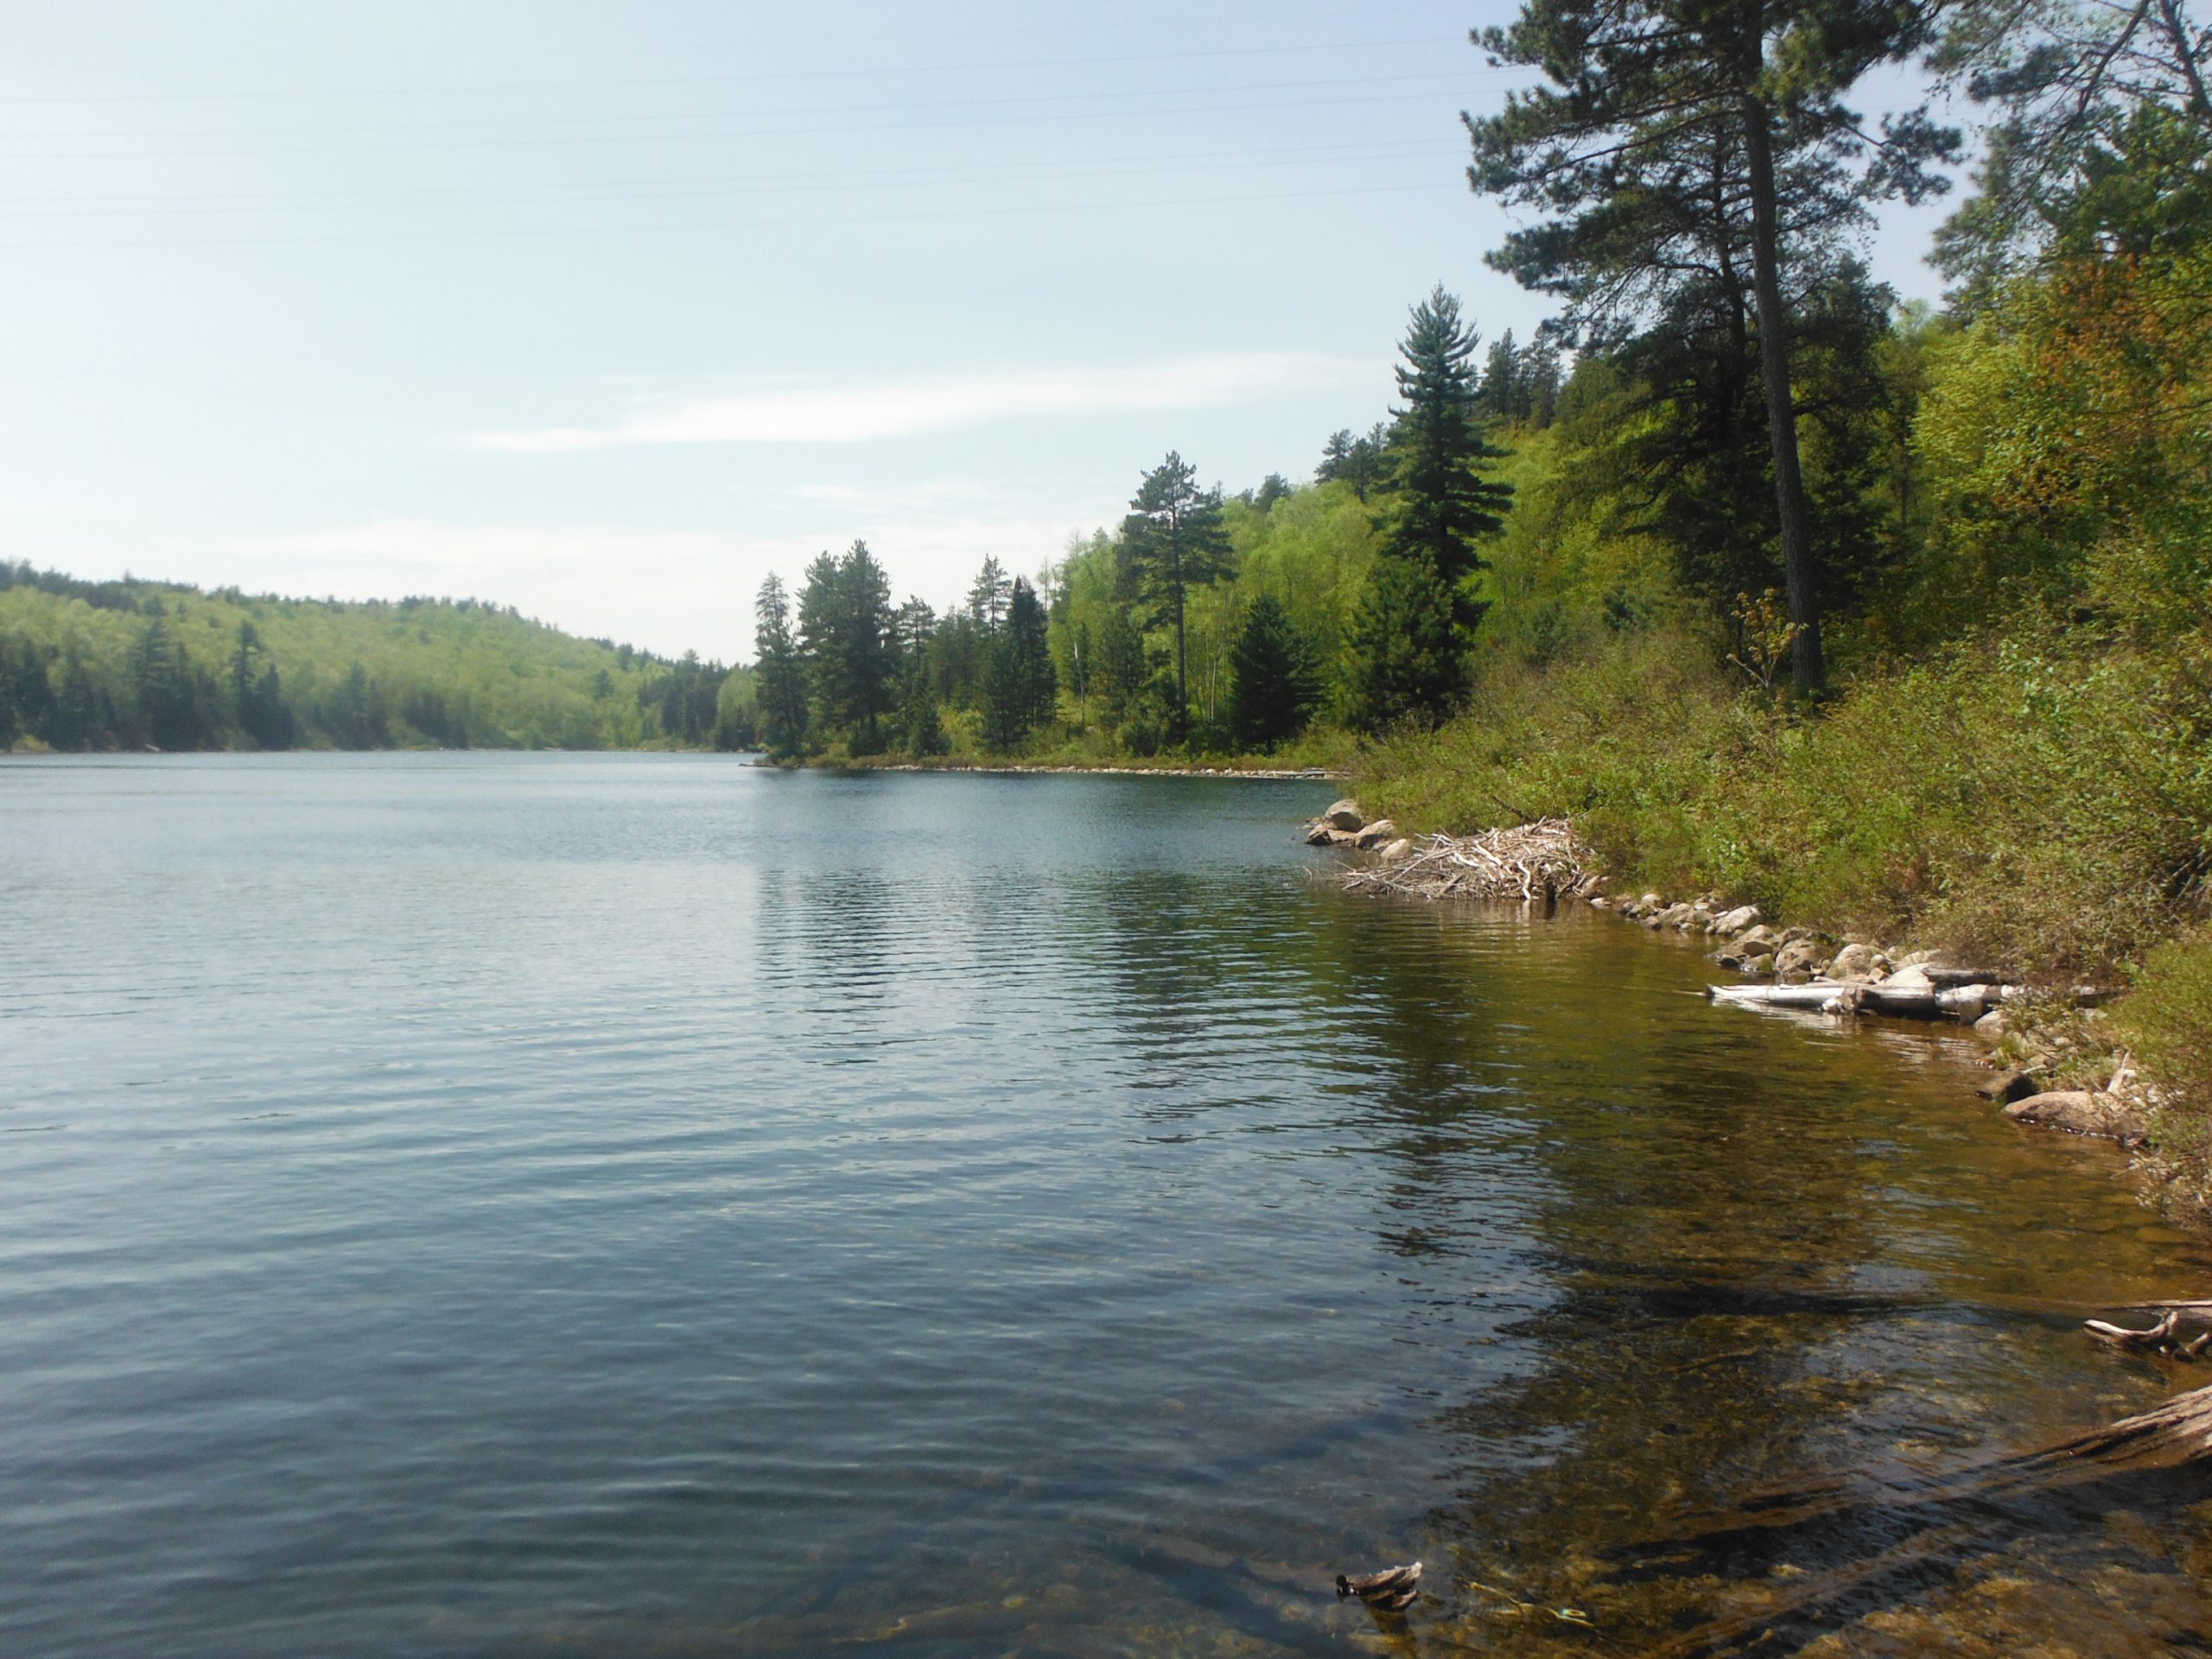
<point x="1599" y="901"/>
<point x="1760" y="939"/>
<point x="1793" y="976"/>
<point x="1911" y="977"/>
<point x="1343" y="838"/>
<point x="1650" y="902"/>
<point x="1993" y="1025"/>
<point x="1317" y="833"/>
<point x="1791" y="935"/>
<point x="1858" y="962"/>
<point x="1399" y="848"/>
<point x="2078" y="1112"/>
<point x="1701" y="919"/>
<point x="1344" y="815"/>
<point x="1741" y="919"/>
<point x="2010" y="1084"/>
<point x="1378" y="832"/>
<point x="1798" y="955"/>
<point x="1673" y="916"/>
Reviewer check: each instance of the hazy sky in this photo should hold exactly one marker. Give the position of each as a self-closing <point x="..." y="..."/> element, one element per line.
<point x="604" y="310"/>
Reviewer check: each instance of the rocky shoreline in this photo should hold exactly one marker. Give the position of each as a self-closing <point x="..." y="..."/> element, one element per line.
<point x="2053" y="1059"/>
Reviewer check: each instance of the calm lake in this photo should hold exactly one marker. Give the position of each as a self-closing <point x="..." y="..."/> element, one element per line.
<point x="489" y="1204"/>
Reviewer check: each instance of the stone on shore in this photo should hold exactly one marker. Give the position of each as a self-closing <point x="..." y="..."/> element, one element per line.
<point x="1798" y="956"/>
<point x="2078" y="1112"/>
<point x="2009" y="1085"/>
<point x="1318" y="835"/>
<point x="1343" y="838"/>
<point x="1399" y="848"/>
<point x="1857" y="963"/>
<point x="1378" y="832"/>
<point x="1911" y="977"/>
<point x="1741" y="919"/>
<point x="1759" y="942"/>
<point x="1344" y="815"/>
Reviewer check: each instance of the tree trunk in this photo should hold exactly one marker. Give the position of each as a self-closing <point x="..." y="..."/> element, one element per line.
<point x="1807" y="669"/>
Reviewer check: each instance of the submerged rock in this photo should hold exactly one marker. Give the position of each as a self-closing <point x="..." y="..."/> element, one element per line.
<point x="2079" y="1112"/>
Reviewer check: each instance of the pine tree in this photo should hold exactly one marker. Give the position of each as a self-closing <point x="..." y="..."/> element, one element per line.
<point x="989" y="594"/>
<point x="1407" y="653"/>
<point x="1173" y="541"/>
<point x="1441" y="507"/>
<point x="1020" y="687"/>
<point x="1271" y="689"/>
<point x="1440" y="510"/>
<point x="780" y="673"/>
<point x="1681" y="144"/>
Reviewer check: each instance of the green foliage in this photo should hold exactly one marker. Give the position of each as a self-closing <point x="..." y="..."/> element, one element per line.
<point x="1409" y="642"/>
<point x="1172" y="543"/>
<point x="1273" y="686"/>
<point x="2169" y="1021"/>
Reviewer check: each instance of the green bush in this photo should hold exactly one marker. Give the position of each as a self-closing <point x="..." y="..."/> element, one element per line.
<point x="2169" y="1021"/>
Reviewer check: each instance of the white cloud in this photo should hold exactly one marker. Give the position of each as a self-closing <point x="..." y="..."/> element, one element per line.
<point x="856" y="414"/>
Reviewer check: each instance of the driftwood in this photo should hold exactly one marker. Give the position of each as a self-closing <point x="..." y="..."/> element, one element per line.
<point x="1534" y="862"/>
<point x="1834" y="996"/>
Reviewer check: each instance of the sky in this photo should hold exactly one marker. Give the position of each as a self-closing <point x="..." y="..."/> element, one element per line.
<point x="604" y="311"/>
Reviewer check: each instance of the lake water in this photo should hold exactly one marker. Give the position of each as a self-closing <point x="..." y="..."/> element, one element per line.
<point x="505" y="1204"/>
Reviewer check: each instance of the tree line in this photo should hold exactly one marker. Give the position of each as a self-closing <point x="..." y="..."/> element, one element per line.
<point x="135" y="664"/>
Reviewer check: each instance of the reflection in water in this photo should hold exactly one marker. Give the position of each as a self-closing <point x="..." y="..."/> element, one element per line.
<point x="530" y="1204"/>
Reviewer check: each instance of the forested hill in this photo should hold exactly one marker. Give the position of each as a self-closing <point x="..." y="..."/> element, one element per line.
<point x="134" y="665"/>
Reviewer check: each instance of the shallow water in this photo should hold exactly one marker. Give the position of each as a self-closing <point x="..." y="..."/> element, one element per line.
<point x="523" y="1204"/>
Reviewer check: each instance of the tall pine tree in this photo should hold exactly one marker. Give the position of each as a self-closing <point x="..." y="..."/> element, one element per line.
<point x="1411" y="636"/>
<point x="1172" y="542"/>
<point x="778" y="673"/>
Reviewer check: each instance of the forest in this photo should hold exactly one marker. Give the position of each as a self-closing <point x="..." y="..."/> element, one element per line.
<point x="135" y="664"/>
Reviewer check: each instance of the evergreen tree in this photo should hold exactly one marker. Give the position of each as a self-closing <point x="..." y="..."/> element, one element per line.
<point x="989" y="594"/>
<point x="1684" y="140"/>
<point x="1273" y="688"/>
<point x="1442" y="508"/>
<point x="1121" y="675"/>
<point x="780" y="673"/>
<point x="1020" y="688"/>
<point x="1408" y="652"/>
<point x="1173" y="541"/>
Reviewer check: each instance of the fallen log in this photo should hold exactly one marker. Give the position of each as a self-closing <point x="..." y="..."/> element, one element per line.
<point x="1836" y="996"/>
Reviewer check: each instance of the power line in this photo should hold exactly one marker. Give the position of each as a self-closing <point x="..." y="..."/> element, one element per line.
<point x="751" y="77"/>
<point x="538" y="232"/>
<point x="669" y="189"/>
<point x="1333" y="81"/>
<point x="746" y="132"/>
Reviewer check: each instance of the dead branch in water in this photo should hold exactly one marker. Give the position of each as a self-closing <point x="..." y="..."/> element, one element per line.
<point x="1531" y="862"/>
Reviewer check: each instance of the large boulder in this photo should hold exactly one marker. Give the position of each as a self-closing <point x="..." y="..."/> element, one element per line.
<point x="1344" y="815"/>
<point x="1858" y="962"/>
<point x="1739" y="920"/>
<point x="1376" y="833"/>
<point x="1799" y="957"/>
<point x="2078" y="1112"/>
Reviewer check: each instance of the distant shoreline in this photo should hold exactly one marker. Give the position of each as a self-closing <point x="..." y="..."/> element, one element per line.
<point x="1299" y="774"/>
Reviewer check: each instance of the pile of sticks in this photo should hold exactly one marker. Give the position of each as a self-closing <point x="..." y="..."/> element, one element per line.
<point x="1538" y="862"/>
